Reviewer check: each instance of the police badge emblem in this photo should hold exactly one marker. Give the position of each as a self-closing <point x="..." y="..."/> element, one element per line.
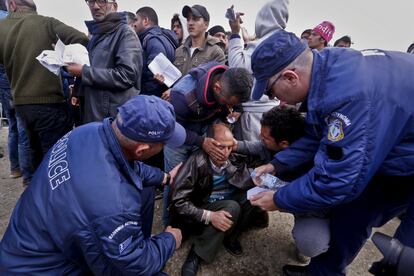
<point x="335" y="130"/>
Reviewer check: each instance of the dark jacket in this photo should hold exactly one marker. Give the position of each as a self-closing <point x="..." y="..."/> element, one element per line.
<point x="194" y="103"/>
<point x="116" y="65"/>
<point x="155" y="40"/>
<point x="360" y="122"/>
<point x="194" y="183"/>
<point x="23" y="36"/>
<point x="211" y="51"/>
<point x="82" y="213"/>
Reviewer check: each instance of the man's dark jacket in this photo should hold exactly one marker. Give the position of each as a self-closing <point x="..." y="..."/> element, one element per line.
<point x="116" y="65"/>
<point x="155" y="40"/>
<point x="194" y="184"/>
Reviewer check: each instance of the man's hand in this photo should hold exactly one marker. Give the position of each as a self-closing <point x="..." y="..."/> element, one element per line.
<point x="166" y="95"/>
<point x="75" y="69"/>
<point x="235" y="145"/>
<point x="235" y="25"/>
<point x="264" y="201"/>
<point x="268" y="168"/>
<point x="177" y="235"/>
<point x="221" y="220"/>
<point x="174" y="172"/>
<point x="210" y="146"/>
<point x="160" y="78"/>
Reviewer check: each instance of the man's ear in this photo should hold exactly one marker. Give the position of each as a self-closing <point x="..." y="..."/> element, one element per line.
<point x="140" y="149"/>
<point x="291" y="76"/>
<point x="283" y="144"/>
<point x="217" y="87"/>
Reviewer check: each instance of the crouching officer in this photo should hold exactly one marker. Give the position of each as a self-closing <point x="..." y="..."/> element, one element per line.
<point x="360" y="136"/>
<point x="89" y="208"/>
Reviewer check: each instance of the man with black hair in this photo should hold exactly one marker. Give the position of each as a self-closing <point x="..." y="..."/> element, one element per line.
<point x="131" y="19"/>
<point x="179" y="27"/>
<point x="280" y="128"/>
<point x="344" y="41"/>
<point x="154" y="40"/>
<point x="306" y="34"/>
<point x="199" y="47"/>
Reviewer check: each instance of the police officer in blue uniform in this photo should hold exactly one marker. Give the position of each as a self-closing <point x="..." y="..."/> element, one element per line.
<point x="89" y="207"/>
<point x="360" y="137"/>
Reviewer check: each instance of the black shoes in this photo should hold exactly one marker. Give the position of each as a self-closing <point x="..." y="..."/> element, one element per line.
<point x="233" y="247"/>
<point x="295" y="270"/>
<point x="191" y="264"/>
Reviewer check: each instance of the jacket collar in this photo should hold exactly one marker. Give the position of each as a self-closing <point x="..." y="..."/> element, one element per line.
<point x="111" y="23"/>
<point x="20" y="14"/>
<point x="144" y="33"/>
<point x="208" y="40"/>
<point x="115" y="149"/>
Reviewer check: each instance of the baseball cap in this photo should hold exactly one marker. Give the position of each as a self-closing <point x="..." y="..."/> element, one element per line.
<point x="273" y="55"/>
<point x="150" y="119"/>
<point x="197" y="11"/>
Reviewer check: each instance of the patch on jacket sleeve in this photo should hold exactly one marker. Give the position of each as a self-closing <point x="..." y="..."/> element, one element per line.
<point x="336" y="124"/>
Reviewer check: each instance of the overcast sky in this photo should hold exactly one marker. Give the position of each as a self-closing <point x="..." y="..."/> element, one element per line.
<point x="370" y="23"/>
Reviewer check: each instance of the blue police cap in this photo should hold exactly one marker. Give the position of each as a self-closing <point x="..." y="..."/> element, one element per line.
<point x="272" y="55"/>
<point x="150" y="119"/>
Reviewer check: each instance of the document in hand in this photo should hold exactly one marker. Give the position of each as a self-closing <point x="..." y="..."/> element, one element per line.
<point x="63" y="55"/>
<point x="163" y="66"/>
<point x="256" y="190"/>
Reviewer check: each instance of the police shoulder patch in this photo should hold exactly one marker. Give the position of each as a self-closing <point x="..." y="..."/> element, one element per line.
<point x="335" y="130"/>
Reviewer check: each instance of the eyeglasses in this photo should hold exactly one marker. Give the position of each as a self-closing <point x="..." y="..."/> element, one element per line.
<point x="268" y="91"/>
<point x="101" y="3"/>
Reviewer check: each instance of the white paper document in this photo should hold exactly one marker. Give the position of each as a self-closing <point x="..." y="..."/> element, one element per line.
<point x="256" y="190"/>
<point x="162" y="65"/>
<point x="63" y="55"/>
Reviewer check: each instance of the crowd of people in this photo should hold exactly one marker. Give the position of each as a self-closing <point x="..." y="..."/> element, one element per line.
<point x="96" y="145"/>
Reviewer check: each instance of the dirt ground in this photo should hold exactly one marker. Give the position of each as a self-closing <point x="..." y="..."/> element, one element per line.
<point x="265" y="251"/>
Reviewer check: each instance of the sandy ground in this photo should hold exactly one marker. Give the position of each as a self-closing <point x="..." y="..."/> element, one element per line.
<point x="265" y="251"/>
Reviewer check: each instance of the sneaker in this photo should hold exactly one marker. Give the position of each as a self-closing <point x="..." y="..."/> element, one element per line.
<point x="15" y="174"/>
<point x="233" y="247"/>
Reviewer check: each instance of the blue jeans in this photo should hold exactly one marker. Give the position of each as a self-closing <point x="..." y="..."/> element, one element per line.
<point x="18" y="143"/>
<point x="173" y="157"/>
<point x="351" y="223"/>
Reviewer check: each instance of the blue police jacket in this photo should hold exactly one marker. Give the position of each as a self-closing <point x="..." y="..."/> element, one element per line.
<point x="360" y="122"/>
<point x="81" y="213"/>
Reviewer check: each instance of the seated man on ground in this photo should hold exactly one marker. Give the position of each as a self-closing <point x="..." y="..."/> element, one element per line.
<point x="209" y="201"/>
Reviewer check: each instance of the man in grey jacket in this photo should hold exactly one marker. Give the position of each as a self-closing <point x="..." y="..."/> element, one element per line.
<point x="115" y="54"/>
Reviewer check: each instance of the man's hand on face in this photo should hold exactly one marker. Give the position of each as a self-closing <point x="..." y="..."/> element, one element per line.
<point x="211" y="147"/>
<point x="177" y="235"/>
<point x="221" y="220"/>
<point x="75" y="69"/>
<point x="264" y="201"/>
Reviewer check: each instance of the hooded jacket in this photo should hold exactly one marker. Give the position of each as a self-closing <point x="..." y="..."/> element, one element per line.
<point x="272" y="17"/>
<point x="360" y="122"/>
<point x="81" y="213"/>
<point x="194" y="103"/>
<point x="210" y="51"/>
<point x="114" y="75"/>
<point x="155" y="40"/>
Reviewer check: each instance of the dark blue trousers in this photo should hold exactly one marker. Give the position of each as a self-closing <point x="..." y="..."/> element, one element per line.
<point x="147" y="210"/>
<point x="351" y="224"/>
